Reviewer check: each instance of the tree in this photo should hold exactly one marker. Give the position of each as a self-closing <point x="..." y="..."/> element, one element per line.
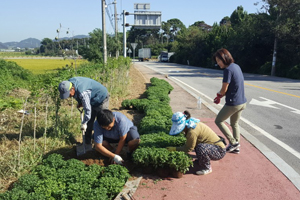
<point x="286" y="29"/>
<point x="202" y="25"/>
<point x="238" y="16"/>
<point x="47" y="45"/>
<point x="93" y="51"/>
<point x="171" y="28"/>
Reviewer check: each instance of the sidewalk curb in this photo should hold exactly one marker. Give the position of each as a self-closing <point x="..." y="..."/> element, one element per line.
<point x="129" y="189"/>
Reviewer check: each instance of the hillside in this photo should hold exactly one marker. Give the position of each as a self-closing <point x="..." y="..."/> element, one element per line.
<point x="2" y="46"/>
<point x="33" y="42"/>
<point x="27" y="43"/>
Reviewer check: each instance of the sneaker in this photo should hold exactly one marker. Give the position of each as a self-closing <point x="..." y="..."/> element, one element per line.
<point x="204" y="171"/>
<point x="236" y="151"/>
<point x="232" y="147"/>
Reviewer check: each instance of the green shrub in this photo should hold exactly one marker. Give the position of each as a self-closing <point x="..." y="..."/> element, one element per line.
<point x="180" y="161"/>
<point x="59" y="179"/>
<point x="161" y="157"/>
<point x="112" y="184"/>
<point x="294" y="72"/>
<point x="117" y="171"/>
<point x="265" y="69"/>
<point x="154" y="129"/>
<point x="13" y="76"/>
<point x="161" y="140"/>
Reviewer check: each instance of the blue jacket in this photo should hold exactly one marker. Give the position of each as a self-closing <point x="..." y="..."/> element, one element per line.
<point x="98" y="91"/>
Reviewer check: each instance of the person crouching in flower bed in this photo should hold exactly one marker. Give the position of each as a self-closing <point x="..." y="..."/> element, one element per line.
<point x="200" y="138"/>
<point x="114" y="127"/>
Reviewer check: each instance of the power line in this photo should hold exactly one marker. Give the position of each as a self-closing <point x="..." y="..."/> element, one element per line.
<point x="109" y="15"/>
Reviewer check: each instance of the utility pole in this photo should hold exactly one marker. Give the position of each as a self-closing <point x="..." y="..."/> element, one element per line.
<point x="273" y="70"/>
<point x="104" y="33"/>
<point x="124" y="34"/>
<point x="116" y="29"/>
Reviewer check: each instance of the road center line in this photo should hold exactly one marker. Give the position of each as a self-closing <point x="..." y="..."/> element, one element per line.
<point x="292" y="95"/>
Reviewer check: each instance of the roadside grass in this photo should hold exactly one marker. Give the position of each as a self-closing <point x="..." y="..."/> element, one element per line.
<point x="40" y="66"/>
<point x="56" y="124"/>
<point x="11" y="169"/>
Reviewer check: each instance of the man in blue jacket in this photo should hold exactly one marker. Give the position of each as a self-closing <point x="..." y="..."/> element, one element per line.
<point x="89" y="94"/>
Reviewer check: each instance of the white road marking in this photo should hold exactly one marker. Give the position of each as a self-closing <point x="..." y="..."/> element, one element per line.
<point x="268" y="102"/>
<point x="262" y="103"/>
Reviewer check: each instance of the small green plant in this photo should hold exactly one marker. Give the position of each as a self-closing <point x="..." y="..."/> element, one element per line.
<point x="59" y="179"/>
<point x="156" y="181"/>
<point x="161" y="140"/>
<point x="180" y="161"/>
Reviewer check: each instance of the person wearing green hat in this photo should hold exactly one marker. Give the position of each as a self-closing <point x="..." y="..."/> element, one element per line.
<point x="89" y="94"/>
<point x="199" y="137"/>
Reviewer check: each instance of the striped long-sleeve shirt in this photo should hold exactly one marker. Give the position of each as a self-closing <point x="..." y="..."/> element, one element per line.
<point x="85" y="98"/>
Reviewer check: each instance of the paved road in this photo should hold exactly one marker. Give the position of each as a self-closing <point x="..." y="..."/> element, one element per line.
<point x="273" y="110"/>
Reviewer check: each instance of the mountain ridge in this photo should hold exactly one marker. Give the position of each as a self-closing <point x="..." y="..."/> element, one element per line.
<point x="33" y="42"/>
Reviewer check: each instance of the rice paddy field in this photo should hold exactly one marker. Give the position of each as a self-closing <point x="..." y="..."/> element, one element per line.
<point x="44" y="65"/>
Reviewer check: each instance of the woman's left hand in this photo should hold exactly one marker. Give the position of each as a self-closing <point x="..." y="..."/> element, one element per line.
<point x="171" y="148"/>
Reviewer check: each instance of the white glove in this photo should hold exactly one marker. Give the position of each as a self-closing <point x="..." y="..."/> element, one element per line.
<point x="83" y="127"/>
<point x="118" y="159"/>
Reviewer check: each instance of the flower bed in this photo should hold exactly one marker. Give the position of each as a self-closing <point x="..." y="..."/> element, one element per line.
<point x="154" y="129"/>
<point x="71" y="179"/>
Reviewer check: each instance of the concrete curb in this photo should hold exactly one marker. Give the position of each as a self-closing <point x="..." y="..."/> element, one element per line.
<point x="129" y="189"/>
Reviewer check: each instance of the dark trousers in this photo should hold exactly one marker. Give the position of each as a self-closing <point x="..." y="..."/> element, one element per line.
<point x="90" y="124"/>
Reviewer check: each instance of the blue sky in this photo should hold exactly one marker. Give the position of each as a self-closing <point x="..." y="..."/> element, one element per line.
<point x="22" y="19"/>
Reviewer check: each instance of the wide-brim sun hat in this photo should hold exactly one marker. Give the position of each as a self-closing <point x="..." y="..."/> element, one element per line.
<point x="64" y="89"/>
<point x="178" y="123"/>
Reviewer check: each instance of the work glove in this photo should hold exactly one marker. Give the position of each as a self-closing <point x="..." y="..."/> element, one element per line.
<point x="171" y="148"/>
<point x="118" y="159"/>
<point x="219" y="95"/>
<point x="83" y="127"/>
<point x="218" y="98"/>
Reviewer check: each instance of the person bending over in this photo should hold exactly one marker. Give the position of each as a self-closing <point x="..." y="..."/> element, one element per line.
<point x="91" y="95"/>
<point x="199" y="137"/>
<point x="114" y="127"/>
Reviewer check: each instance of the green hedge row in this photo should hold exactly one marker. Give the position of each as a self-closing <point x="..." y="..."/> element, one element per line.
<point x="154" y="129"/>
<point x="56" y="178"/>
